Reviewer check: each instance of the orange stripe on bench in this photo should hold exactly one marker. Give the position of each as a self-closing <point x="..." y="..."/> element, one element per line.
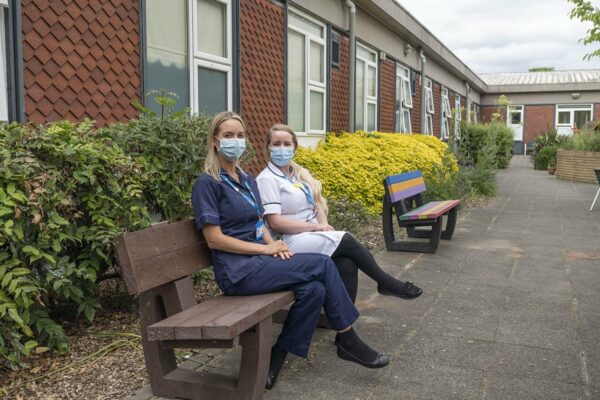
<point x="430" y="210"/>
<point x="402" y="190"/>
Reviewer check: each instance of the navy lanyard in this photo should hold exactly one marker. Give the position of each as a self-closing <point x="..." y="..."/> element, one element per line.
<point x="252" y="200"/>
<point x="305" y="189"/>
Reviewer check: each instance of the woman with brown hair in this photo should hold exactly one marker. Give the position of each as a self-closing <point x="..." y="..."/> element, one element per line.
<point x="295" y="208"/>
<point x="248" y="261"/>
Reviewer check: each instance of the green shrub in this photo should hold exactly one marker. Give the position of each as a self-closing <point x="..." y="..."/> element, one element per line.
<point x="65" y="193"/>
<point x="352" y="166"/>
<point x="475" y="136"/>
<point x="588" y="140"/>
<point x="347" y="215"/>
<point x="545" y="155"/>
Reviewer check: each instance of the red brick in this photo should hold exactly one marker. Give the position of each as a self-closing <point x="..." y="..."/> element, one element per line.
<point x="339" y="89"/>
<point x="538" y="121"/>
<point x="416" y="110"/>
<point x="387" y="96"/>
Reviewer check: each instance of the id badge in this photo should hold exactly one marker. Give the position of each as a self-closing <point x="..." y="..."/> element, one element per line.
<point x="260" y="226"/>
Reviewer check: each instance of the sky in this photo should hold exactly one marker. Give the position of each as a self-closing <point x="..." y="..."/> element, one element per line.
<point x="507" y="35"/>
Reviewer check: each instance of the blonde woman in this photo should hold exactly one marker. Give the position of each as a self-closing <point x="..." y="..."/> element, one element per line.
<point x="248" y="261"/>
<point x="295" y="208"/>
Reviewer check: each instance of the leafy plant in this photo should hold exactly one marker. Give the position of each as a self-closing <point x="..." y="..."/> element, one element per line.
<point x="545" y="155"/>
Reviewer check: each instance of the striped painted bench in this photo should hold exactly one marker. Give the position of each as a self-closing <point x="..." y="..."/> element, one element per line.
<point x="403" y="198"/>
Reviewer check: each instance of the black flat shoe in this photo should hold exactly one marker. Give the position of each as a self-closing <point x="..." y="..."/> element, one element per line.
<point x="380" y="361"/>
<point x="409" y="292"/>
<point x="271" y="379"/>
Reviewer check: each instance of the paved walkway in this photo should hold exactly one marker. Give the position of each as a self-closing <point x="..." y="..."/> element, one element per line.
<point x="511" y="308"/>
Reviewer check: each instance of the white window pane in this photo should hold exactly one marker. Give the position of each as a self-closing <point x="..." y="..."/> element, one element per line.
<point x="429" y="125"/>
<point x="306" y="25"/>
<point x="296" y="87"/>
<point x="399" y="122"/>
<point x="564" y="117"/>
<point x="429" y="100"/>
<point x="317" y="111"/>
<point x="365" y="54"/>
<point x="515" y="118"/>
<point x="398" y="92"/>
<point x="212" y="27"/>
<point x="212" y="90"/>
<point x="317" y="55"/>
<point x="3" y="75"/>
<point x="360" y="95"/>
<point x="407" y="94"/>
<point x="371" y="117"/>
<point x="166" y="50"/>
<point x="582" y="117"/>
<point x="406" y="121"/>
<point x="372" y="82"/>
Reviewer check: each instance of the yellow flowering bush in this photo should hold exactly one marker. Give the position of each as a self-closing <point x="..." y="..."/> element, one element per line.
<point x="353" y="166"/>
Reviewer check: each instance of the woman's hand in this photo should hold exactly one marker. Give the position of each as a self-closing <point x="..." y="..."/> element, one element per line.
<point x="321" y="227"/>
<point x="278" y="248"/>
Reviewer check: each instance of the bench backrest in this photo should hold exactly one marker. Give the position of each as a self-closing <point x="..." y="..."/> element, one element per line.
<point x="161" y="254"/>
<point x="402" y="186"/>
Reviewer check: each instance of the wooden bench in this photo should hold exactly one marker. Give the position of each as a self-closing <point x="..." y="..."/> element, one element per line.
<point x="156" y="263"/>
<point x="403" y="198"/>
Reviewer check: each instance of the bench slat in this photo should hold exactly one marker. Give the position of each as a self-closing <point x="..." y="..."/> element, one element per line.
<point x="143" y="255"/>
<point x="222" y="317"/>
<point x="165" y="329"/>
<point x="405" y="185"/>
<point x="430" y="210"/>
<point x="238" y="320"/>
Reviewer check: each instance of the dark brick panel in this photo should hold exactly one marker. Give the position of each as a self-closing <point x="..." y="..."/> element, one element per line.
<point x="387" y="96"/>
<point x="81" y="59"/>
<point x="437" y="106"/>
<point x="339" y="89"/>
<point x="416" y="110"/>
<point x="538" y="120"/>
<point x="262" y="36"/>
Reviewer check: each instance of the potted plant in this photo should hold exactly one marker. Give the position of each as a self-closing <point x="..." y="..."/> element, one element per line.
<point x="551" y="166"/>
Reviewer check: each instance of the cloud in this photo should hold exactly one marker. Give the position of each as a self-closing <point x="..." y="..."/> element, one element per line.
<point x="507" y="36"/>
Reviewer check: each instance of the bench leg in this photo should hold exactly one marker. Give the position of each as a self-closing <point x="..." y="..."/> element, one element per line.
<point x="256" y="354"/>
<point x="450" y="224"/>
<point x="420" y="247"/>
<point x="387" y="223"/>
<point x="413" y="232"/>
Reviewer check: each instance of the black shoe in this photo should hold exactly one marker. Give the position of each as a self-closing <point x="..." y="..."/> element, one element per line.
<point x="409" y="291"/>
<point x="380" y="361"/>
<point x="271" y="379"/>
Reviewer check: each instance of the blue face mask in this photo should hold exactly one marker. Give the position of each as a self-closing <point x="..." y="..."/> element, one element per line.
<point x="232" y="149"/>
<point x="282" y="156"/>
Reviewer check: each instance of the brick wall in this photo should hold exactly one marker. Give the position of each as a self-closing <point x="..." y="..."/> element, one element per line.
<point x="262" y="37"/>
<point x="597" y="112"/>
<point x="339" y="89"/>
<point x="437" y="106"/>
<point x="416" y="110"/>
<point x="387" y="96"/>
<point x="538" y="119"/>
<point x="577" y="165"/>
<point x="487" y="111"/>
<point x="81" y="59"/>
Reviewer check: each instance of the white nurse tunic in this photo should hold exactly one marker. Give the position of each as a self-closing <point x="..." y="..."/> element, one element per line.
<point x="284" y="196"/>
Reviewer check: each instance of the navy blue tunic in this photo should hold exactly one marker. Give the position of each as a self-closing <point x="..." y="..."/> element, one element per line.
<point x="217" y="203"/>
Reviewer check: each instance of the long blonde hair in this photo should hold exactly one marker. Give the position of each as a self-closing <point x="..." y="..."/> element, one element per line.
<point x="211" y="165"/>
<point x="300" y="172"/>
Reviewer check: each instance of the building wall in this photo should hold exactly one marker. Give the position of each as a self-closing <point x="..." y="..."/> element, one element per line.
<point x="538" y="120"/>
<point x="81" y="60"/>
<point x="416" y="110"/>
<point x="262" y="44"/>
<point x="339" y="89"/>
<point x="544" y="98"/>
<point x="387" y="96"/>
<point x="597" y="112"/>
<point x="487" y="111"/>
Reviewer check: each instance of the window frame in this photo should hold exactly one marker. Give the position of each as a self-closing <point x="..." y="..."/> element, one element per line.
<point x="571" y="108"/>
<point x="446" y="114"/>
<point x="402" y="109"/>
<point x="4" y="96"/>
<point x="429" y="107"/>
<point x="369" y="99"/>
<point x="198" y="58"/>
<point x="457" y="115"/>
<point x="309" y="84"/>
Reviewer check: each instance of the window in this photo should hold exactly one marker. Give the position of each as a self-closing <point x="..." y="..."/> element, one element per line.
<point x="306" y="90"/>
<point x="403" y="100"/>
<point x="457" y="116"/>
<point x="188" y="52"/>
<point x="446" y="114"/>
<point x="570" y="117"/>
<point x="366" y="89"/>
<point x="3" y="58"/>
<point x="429" y="108"/>
<point x="335" y="50"/>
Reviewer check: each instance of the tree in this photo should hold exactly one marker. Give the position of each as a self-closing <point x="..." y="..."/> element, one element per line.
<point x="584" y="10"/>
<point x="541" y="69"/>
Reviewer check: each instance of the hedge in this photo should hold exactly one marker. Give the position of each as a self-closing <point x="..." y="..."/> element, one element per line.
<point x="352" y="166"/>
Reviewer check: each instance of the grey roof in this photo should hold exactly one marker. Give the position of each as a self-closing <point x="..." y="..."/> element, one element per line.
<point x="543" y="78"/>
